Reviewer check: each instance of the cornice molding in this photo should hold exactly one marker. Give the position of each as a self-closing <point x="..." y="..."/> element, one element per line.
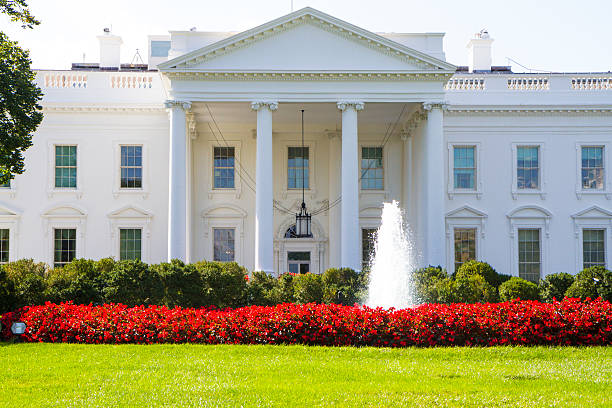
<point x="314" y="17"/>
<point x="308" y="76"/>
<point x="530" y="110"/>
<point x="102" y="108"/>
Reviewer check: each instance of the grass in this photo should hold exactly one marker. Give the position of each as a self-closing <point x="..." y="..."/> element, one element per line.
<point x="42" y="375"/>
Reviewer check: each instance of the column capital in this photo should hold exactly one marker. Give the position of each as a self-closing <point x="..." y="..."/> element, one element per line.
<point x="171" y="103"/>
<point x="344" y="105"/>
<point x="428" y="106"/>
<point x="271" y="105"/>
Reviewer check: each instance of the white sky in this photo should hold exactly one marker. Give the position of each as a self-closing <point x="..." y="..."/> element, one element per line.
<point x="556" y="35"/>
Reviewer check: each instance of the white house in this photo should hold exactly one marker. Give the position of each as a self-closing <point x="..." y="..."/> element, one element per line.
<point x="197" y="155"/>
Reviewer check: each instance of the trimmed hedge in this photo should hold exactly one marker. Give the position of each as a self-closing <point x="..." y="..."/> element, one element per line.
<point x="592" y="283"/>
<point x="554" y="286"/>
<point x="570" y="322"/>
<point x="518" y="288"/>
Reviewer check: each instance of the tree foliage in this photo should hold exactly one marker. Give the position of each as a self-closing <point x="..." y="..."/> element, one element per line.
<point x="17" y="10"/>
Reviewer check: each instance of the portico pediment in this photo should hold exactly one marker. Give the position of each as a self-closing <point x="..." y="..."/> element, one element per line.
<point x="306" y="42"/>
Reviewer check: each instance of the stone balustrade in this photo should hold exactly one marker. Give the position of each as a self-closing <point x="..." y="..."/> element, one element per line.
<point x="125" y="80"/>
<point x="592" y="83"/>
<point x="65" y="80"/>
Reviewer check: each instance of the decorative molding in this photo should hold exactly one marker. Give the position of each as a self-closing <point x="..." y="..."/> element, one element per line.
<point x="314" y="17"/>
<point x="271" y="105"/>
<point x="192" y="125"/>
<point x="531" y="110"/>
<point x="428" y="106"/>
<point x="412" y="123"/>
<point x="103" y="108"/>
<point x="173" y="103"/>
<point x="344" y="105"/>
<point x="308" y="76"/>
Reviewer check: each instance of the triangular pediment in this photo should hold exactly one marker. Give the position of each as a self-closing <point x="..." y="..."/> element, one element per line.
<point x="130" y="211"/>
<point x="306" y="41"/>
<point x="466" y="212"/>
<point x="593" y="212"/>
<point x="224" y="211"/>
<point x="7" y="212"/>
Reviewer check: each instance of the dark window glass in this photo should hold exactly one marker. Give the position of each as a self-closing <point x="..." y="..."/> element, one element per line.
<point x="529" y="254"/>
<point x="223" y="244"/>
<point x="64" y="246"/>
<point x="465" y="246"/>
<point x="297" y="168"/>
<point x="130" y="244"/>
<point x="224" y="162"/>
<point x="131" y="166"/>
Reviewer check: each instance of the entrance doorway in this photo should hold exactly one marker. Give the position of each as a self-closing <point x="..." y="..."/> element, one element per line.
<point x="298" y="262"/>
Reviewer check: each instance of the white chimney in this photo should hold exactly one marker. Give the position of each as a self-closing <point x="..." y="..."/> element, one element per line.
<point x="479" y="52"/>
<point x="110" y="50"/>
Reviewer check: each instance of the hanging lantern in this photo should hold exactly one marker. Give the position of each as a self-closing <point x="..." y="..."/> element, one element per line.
<point x="303" y="219"/>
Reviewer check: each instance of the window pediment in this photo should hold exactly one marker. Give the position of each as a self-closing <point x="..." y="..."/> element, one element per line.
<point x="593" y="212"/>
<point x="466" y="212"/>
<point x="130" y="211"/>
<point x="224" y="211"/>
<point x="64" y="211"/>
<point x="530" y="211"/>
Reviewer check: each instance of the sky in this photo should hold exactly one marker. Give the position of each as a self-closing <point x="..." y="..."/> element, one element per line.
<point x="549" y="35"/>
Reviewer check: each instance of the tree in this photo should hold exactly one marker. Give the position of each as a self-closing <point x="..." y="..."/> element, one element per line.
<point x="19" y="96"/>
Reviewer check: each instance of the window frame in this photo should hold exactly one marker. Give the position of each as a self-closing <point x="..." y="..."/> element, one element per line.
<point x="362" y="229"/>
<point x="51" y="189"/>
<point x="287" y="192"/>
<point x="530" y="217"/>
<point x="541" y="191"/>
<point x="477" y="191"/>
<point x="76" y="244"/>
<point x="121" y="166"/>
<point x="464" y="217"/>
<point x="222" y="216"/>
<point x="593" y="217"/>
<point x="119" y="191"/>
<point x="454" y="239"/>
<point x="70" y="216"/>
<point x="141" y="239"/>
<point x="130" y="217"/>
<point x="213" y="192"/>
<point x="606" y="191"/>
<point x="218" y="228"/>
<point x="518" y="254"/>
<point x="214" y="167"/>
<point x="605" y="244"/>
<point x="308" y="169"/>
<point x="384" y="163"/>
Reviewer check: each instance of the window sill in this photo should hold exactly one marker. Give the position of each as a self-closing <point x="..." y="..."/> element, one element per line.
<point x="606" y="193"/>
<point x="295" y="192"/>
<point x="131" y="191"/>
<point x="223" y="192"/>
<point x="77" y="192"/>
<point x="527" y="192"/>
<point x="384" y="193"/>
<point x="453" y="193"/>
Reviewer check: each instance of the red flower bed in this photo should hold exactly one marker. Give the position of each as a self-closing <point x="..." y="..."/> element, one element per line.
<point x="570" y="322"/>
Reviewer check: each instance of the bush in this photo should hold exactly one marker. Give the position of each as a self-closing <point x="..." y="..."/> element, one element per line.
<point x="132" y="283"/>
<point x="224" y="284"/>
<point x="592" y="282"/>
<point x="262" y="289"/>
<point x="483" y="269"/>
<point x="518" y="288"/>
<point x="342" y="286"/>
<point x="474" y="289"/>
<point x="8" y="299"/>
<point x="27" y="280"/>
<point x="182" y="284"/>
<point x="283" y="292"/>
<point x="430" y="285"/>
<point x="308" y="288"/>
<point x="554" y="286"/>
<point x="79" y="281"/>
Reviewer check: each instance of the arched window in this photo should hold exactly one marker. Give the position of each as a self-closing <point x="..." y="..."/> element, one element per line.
<point x="290" y="233"/>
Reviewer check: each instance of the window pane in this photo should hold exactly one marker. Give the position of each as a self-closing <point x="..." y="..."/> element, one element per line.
<point x="223" y="245"/>
<point x="372" y="172"/>
<point x="528" y="167"/>
<point x="465" y="246"/>
<point x="223" y="171"/>
<point x="592" y="167"/>
<point x="529" y="254"/>
<point x="298" y="167"/>
<point x="4" y="245"/>
<point x="131" y="167"/>
<point x="65" y="166"/>
<point x="464" y="167"/>
<point x="130" y="244"/>
<point x="368" y="239"/>
<point x="64" y="246"/>
<point x="593" y="247"/>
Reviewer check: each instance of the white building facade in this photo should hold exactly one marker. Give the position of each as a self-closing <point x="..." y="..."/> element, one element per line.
<point x="198" y="155"/>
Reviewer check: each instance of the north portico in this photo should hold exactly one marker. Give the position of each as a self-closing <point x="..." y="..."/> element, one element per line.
<point x="357" y="88"/>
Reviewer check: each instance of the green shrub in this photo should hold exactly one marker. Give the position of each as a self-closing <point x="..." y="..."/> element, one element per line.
<point x="442" y="290"/>
<point x="592" y="282"/>
<point x="8" y="298"/>
<point x="283" y="292"/>
<point x="428" y="286"/>
<point x="262" y="289"/>
<point x="79" y="281"/>
<point x="474" y="289"/>
<point x="182" y="284"/>
<point x="27" y="280"/>
<point x="308" y="288"/>
<point x="224" y="284"/>
<point x="483" y="269"/>
<point x="554" y="286"/>
<point x="341" y="286"/>
<point x="518" y="288"/>
<point x="132" y="283"/>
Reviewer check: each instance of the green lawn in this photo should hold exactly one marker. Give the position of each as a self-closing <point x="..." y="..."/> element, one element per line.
<point x="39" y="375"/>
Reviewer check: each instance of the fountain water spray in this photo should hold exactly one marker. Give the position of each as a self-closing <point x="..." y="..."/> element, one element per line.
<point x="393" y="262"/>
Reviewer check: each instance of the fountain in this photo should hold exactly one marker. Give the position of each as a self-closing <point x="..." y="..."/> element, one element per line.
<point x="393" y="262"/>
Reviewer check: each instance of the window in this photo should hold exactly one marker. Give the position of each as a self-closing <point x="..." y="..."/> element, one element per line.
<point x="592" y="167"/>
<point x="224" y="244"/>
<point x="529" y="255"/>
<point x="464" y="171"/>
<point x="4" y="245"/>
<point x="298" y="262"/>
<point x="372" y="168"/>
<point x="297" y="168"/>
<point x="130" y="244"/>
<point x="131" y="166"/>
<point x="368" y="239"/>
<point x="528" y="167"/>
<point x="224" y="167"/>
<point x="160" y="48"/>
<point x="64" y="246"/>
<point x="65" y="166"/>
<point x="465" y="246"/>
<point x="593" y="247"/>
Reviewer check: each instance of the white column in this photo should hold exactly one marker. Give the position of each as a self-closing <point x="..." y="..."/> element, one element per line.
<point x="335" y="170"/>
<point x="264" y="188"/>
<point x="407" y="173"/>
<point x="349" y="217"/>
<point x="177" y="200"/>
<point x="434" y="185"/>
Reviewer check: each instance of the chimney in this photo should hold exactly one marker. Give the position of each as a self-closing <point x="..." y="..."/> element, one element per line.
<point x="110" y="50"/>
<point x="479" y="52"/>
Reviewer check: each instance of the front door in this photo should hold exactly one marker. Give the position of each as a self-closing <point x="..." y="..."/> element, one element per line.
<point x="298" y="262"/>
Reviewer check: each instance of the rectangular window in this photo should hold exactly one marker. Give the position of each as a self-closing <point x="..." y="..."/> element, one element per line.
<point x="65" y="166"/>
<point x="297" y="168"/>
<point x="224" y="244"/>
<point x="465" y="246"/>
<point x="130" y="244"/>
<point x="592" y="167"/>
<point x="372" y="168"/>
<point x="368" y="238"/>
<point x="529" y="254"/>
<point x="4" y="245"/>
<point x="464" y="167"/>
<point x="528" y="167"/>
<point x="160" y="48"/>
<point x="593" y="247"/>
<point x="131" y="166"/>
<point x="298" y="262"/>
<point x="64" y="246"/>
<point x="224" y="167"/>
